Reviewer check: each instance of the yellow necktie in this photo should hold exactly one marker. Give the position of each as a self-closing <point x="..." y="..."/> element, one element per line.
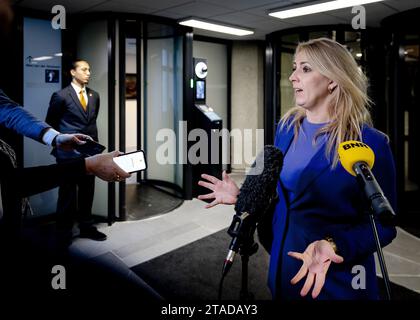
<point x="82" y="100"/>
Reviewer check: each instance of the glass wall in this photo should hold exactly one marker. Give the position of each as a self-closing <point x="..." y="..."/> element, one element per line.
<point x="411" y="89"/>
<point x="163" y="103"/>
<point x="287" y="48"/>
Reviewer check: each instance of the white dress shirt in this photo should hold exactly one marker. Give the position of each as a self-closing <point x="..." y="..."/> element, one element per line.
<point x="77" y="89"/>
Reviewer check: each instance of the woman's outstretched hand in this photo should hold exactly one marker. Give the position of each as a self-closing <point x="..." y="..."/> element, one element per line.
<point x="316" y="260"/>
<point x="223" y="191"/>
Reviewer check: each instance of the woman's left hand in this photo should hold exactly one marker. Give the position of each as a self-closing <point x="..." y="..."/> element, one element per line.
<point x="316" y="261"/>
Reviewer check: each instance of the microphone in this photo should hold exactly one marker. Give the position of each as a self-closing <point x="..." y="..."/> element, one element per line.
<point x="357" y="158"/>
<point x="255" y="196"/>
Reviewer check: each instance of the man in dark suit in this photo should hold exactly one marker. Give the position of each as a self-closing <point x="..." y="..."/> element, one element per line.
<point x="75" y="109"/>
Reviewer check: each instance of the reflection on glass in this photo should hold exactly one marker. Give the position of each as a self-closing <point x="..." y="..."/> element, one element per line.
<point x="319" y="34"/>
<point x="290" y="41"/>
<point x="411" y="104"/>
<point x="286" y="89"/>
<point x="163" y="102"/>
<point x="352" y="42"/>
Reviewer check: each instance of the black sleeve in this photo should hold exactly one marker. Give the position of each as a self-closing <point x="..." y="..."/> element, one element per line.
<point x="98" y="105"/>
<point x="29" y="181"/>
<point x="54" y="111"/>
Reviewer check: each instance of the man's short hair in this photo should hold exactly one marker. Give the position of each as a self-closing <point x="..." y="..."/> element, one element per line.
<point x="75" y="62"/>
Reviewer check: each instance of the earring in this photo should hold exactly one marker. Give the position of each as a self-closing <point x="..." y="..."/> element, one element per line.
<point x="330" y="90"/>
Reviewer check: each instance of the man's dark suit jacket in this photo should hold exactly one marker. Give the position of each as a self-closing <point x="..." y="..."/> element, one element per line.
<point x="66" y="115"/>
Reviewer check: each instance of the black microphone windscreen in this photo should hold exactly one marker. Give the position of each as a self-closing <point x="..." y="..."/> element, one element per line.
<point x="259" y="187"/>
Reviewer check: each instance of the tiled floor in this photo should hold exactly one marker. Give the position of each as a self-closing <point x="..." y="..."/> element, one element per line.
<point x="403" y="260"/>
<point x="139" y="241"/>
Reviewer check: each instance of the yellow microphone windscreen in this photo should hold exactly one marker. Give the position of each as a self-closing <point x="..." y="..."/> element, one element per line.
<point x="352" y="151"/>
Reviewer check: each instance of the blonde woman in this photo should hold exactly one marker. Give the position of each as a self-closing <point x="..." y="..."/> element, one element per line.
<point x="320" y="227"/>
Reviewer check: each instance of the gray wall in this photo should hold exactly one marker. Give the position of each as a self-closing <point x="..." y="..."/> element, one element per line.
<point x="247" y="94"/>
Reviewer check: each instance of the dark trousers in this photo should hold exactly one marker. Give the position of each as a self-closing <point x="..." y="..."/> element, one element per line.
<point x="75" y="203"/>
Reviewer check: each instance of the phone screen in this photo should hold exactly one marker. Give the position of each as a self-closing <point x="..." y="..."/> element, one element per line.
<point x="131" y="162"/>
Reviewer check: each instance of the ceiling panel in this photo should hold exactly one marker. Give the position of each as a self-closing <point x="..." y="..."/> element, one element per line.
<point x="112" y="6"/>
<point x="402" y="5"/>
<point x="202" y="10"/>
<point x="238" y="18"/>
<point x="170" y="14"/>
<point x="272" y="24"/>
<point x="72" y="6"/>
<point x="157" y="4"/>
<point x="240" y="5"/>
<point x="372" y="12"/>
<point x="246" y="13"/>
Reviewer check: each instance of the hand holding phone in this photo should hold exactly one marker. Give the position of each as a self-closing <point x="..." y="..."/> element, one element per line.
<point x="132" y="161"/>
<point x="90" y="148"/>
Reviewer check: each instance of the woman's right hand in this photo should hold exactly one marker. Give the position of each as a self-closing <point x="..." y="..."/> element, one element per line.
<point x="224" y="191"/>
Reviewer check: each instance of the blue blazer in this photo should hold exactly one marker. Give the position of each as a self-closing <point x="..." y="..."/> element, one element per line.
<point x="329" y="202"/>
<point x="14" y="117"/>
<point x="66" y="115"/>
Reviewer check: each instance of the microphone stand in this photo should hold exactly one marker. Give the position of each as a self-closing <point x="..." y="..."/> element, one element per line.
<point x="367" y="182"/>
<point x="242" y="230"/>
<point x="380" y="254"/>
<point x="248" y="248"/>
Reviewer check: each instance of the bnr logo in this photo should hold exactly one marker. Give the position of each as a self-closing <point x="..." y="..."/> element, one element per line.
<point x="59" y="20"/>
<point x="348" y="146"/>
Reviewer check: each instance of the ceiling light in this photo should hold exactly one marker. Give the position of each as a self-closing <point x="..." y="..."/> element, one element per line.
<point x="42" y="58"/>
<point x="319" y="7"/>
<point x="359" y="55"/>
<point x="211" y="26"/>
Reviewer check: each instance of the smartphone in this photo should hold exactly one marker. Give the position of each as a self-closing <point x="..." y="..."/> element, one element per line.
<point x="132" y="161"/>
<point x="90" y="148"/>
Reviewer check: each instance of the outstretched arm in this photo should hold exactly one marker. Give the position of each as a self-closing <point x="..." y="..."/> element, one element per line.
<point x="29" y="181"/>
<point x="316" y="260"/>
<point x="16" y="118"/>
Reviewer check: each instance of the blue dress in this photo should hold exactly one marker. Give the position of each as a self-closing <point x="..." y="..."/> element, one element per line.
<point x="322" y="202"/>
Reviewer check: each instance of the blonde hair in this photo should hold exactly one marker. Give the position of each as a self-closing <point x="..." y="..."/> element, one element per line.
<point x="350" y="107"/>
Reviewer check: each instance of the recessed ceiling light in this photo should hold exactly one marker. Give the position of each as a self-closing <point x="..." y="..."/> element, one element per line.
<point x="216" y="27"/>
<point x="319" y="7"/>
